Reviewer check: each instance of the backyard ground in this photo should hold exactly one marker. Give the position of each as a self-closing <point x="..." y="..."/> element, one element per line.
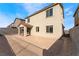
<point x="13" y="45"/>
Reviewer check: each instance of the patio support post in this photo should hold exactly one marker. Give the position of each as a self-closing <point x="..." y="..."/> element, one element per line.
<point x="25" y="31"/>
<point x="18" y="30"/>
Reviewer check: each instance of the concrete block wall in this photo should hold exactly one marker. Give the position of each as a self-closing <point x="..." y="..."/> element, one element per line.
<point x="8" y="31"/>
<point x="55" y="49"/>
<point x="74" y="34"/>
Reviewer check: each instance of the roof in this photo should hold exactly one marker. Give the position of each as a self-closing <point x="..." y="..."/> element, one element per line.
<point x="26" y="24"/>
<point x="53" y="4"/>
<point x="76" y="10"/>
<point x="16" y="25"/>
<point x="19" y="19"/>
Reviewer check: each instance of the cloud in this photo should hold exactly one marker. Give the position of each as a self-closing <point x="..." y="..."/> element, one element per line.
<point x="69" y="22"/>
<point x="18" y="15"/>
<point x="7" y="17"/>
<point x="68" y="11"/>
<point x="69" y="8"/>
<point x="31" y="8"/>
<point x="5" y="20"/>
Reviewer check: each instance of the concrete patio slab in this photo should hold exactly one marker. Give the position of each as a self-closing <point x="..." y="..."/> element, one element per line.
<point x="41" y="42"/>
<point x="19" y="46"/>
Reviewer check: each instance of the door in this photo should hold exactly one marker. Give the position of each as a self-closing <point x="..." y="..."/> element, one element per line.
<point x="21" y="30"/>
<point x="28" y="31"/>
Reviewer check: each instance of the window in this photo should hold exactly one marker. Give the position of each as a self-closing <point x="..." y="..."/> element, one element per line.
<point x="37" y="29"/>
<point x="49" y="29"/>
<point x="28" y="20"/>
<point x="49" y="12"/>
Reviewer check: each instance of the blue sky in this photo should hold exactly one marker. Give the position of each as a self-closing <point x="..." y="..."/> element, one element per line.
<point x="10" y="11"/>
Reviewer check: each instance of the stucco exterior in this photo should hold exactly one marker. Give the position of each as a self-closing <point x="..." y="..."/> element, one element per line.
<point x="76" y="17"/>
<point x="42" y="21"/>
<point x="41" y="42"/>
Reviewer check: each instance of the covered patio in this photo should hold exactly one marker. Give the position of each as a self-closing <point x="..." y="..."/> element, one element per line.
<point x="24" y="29"/>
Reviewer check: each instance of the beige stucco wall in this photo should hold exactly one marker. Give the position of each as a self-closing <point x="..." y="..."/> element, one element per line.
<point x="40" y="20"/>
<point x="25" y="30"/>
<point x="21" y="25"/>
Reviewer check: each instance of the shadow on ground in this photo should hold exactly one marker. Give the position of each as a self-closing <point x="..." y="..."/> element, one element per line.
<point x="55" y="49"/>
<point x="5" y="48"/>
<point x="62" y="47"/>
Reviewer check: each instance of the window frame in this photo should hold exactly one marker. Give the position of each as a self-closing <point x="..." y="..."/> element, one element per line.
<point x="49" y="12"/>
<point x="49" y="29"/>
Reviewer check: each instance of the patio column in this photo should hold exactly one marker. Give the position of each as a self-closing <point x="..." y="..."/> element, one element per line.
<point x="25" y="31"/>
<point x="18" y="30"/>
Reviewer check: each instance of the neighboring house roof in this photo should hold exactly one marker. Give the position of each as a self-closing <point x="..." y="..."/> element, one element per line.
<point x="19" y="19"/>
<point x="53" y="4"/>
<point x="17" y="22"/>
<point x="76" y="10"/>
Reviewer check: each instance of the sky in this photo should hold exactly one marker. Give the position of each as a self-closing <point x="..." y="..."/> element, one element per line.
<point x="10" y="11"/>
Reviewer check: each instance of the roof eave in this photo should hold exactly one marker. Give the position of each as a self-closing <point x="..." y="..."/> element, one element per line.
<point x="45" y="9"/>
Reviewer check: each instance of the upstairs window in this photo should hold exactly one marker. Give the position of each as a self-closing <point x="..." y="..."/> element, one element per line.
<point x="49" y="12"/>
<point x="37" y="29"/>
<point x="49" y="29"/>
<point x="28" y="20"/>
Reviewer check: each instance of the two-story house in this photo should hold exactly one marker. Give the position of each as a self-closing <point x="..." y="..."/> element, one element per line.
<point x="47" y="22"/>
<point x="44" y="27"/>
